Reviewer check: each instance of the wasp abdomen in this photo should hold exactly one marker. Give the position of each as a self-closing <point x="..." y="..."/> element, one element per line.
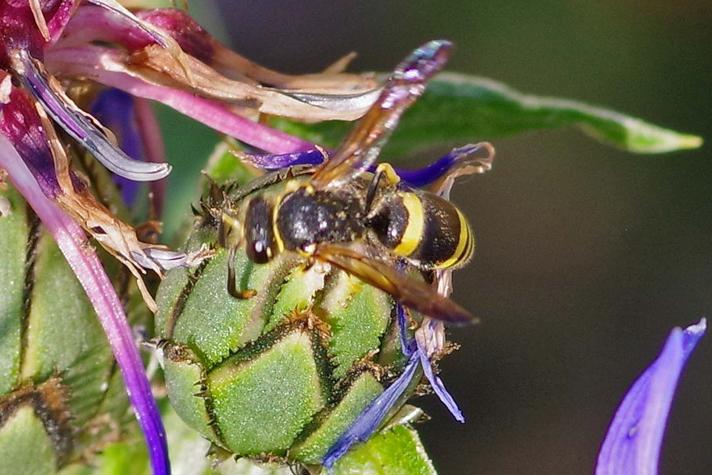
<point x="426" y="229"/>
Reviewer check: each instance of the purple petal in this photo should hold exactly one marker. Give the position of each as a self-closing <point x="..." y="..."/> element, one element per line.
<point x="408" y="345"/>
<point x="88" y="269"/>
<point x="373" y="416"/>
<point x="96" y="24"/>
<point x="59" y="17"/>
<point x="439" y="388"/>
<point x="284" y="160"/>
<point x="20" y="30"/>
<point x="121" y="11"/>
<point x="115" y="109"/>
<point x="632" y="445"/>
<point x="191" y="37"/>
<point x="20" y="123"/>
<point x="76" y="124"/>
<point x="83" y="61"/>
<point x="431" y="173"/>
<point x="415" y="178"/>
<point x="155" y="151"/>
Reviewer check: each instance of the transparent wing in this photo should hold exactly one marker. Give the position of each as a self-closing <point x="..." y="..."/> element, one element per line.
<point x="408" y="291"/>
<point x="362" y="146"/>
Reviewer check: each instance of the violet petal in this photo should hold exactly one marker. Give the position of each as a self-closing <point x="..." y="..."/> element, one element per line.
<point x="118" y="9"/>
<point x="22" y="126"/>
<point x="83" y="61"/>
<point x="439" y="388"/>
<point x="115" y="109"/>
<point x="88" y="269"/>
<point x="154" y="150"/>
<point x="431" y="173"/>
<point x="284" y="160"/>
<point x="69" y="116"/>
<point x="408" y="345"/>
<point x="373" y="416"/>
<point x="632" y="445"/>
<point x="416" y="178"/>
<point x="60" y="17"/>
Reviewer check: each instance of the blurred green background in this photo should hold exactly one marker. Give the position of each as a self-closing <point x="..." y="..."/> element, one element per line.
<point x="587" y="256"/>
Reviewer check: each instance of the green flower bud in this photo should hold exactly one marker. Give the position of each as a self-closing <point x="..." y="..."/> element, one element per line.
<point x="281" y="375"/>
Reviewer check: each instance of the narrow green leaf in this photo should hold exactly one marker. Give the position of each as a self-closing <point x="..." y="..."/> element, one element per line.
<point x="458" y="108"/>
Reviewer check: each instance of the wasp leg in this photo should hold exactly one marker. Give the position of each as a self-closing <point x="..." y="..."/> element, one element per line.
<point x="226" y="238"/>
<point x="232" y="281"/>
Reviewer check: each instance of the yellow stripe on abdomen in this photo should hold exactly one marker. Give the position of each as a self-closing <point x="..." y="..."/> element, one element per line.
<point x="465" y="245"/>
<point x="414" y="229"/>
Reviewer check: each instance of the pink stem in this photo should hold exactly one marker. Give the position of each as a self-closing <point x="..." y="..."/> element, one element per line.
<point x="84" y="262"/>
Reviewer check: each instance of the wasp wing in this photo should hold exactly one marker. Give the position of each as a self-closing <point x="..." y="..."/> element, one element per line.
<point x="408" y="291"/>
<point x="363" y="144"/>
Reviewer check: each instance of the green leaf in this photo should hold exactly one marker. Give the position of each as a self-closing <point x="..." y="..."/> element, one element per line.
<point x="397" y="451"/>
<point x="457" y="108"/>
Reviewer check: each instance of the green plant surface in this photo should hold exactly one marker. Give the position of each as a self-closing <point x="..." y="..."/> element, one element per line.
<point x="397" y="451"/>
<point x="25" y="445"/>
<point x="458" y="108"/>
<point x="14" y="232"/>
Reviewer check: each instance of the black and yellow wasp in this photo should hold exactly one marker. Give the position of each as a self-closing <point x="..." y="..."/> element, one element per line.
<point x="358" y="221"/>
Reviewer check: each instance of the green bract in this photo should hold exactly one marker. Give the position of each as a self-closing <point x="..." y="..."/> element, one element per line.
<point x="280" y="375"/>
<point x="61" y="397"/>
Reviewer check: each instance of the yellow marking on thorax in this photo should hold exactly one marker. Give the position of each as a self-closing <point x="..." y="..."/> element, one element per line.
<point x="464" y="241"/>
<point x="390" y="174"/>
<point x="275" y="230"/>
<point x="414" y="229"/>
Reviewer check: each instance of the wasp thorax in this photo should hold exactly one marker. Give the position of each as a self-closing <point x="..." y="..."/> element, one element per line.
<point x="283" y="373"/>
<point x="307" y="217"/>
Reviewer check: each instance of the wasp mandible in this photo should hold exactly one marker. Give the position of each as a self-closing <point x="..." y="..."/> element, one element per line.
<point x="357" y="221"/>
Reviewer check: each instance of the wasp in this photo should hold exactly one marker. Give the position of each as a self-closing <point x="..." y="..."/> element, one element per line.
<point x="358" y="221"/>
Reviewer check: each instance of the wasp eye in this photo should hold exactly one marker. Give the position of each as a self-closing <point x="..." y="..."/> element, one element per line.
<point x="260" y="252"/>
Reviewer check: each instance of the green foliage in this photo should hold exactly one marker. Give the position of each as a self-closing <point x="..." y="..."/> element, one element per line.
<point x="458" y="109"/>
<point x="396" y="451"/>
